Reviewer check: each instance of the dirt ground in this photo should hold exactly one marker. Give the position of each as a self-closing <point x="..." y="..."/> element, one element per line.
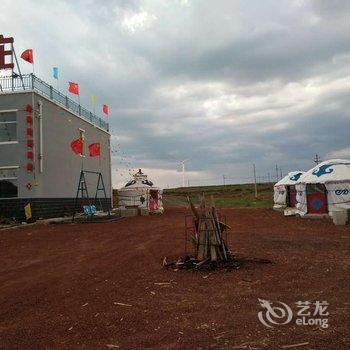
<point x="102" y="286"/>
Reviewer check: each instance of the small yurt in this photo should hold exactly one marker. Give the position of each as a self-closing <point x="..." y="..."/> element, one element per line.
<point x="324" y="188"/>
<point x="141" y="193"/>
<point x="284" y="192"/>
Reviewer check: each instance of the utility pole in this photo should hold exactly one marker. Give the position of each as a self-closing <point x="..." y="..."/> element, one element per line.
<point x="317" y="159"/>
<point x="183" y="172"/>
<point x="276" y="173"/>
<point x="255" y="186"/>
<point x="223" y="180"/>
<point x="188" y="183"/>
<point x="281" y="173"/>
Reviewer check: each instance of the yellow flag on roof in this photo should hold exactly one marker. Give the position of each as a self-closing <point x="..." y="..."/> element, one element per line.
<point x="92" y="100"/>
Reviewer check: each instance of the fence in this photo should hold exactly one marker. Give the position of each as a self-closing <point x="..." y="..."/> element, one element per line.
<point x="31" y="82"/>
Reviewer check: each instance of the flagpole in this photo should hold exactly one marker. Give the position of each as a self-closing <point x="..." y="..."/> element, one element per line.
<point x="33" y="63"/>
<point x="108" y="120"/>
<point x="12" y="64"/>
<point x="99" y="157"/>
<point x="82" y="153"/>
<point x="79" y="102"/>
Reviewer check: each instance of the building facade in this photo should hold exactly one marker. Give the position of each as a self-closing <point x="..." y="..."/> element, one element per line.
<point x="37" y="164"/>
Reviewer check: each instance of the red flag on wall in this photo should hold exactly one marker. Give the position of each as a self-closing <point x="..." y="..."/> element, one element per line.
<point x="77" y="146"/>
<point x="94" y="149"/>
<point x="73" y="88"/>
<point x="105" y="109"/>
<point x="27" y="55"/>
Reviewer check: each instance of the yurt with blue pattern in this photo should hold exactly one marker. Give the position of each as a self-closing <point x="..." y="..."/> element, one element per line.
<point x="284" y="192"/>
<point x="324" y="188"/>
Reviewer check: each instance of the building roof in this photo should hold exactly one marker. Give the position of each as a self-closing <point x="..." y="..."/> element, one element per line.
<point x="30" y="82"/>
<point x="139" y="181"/>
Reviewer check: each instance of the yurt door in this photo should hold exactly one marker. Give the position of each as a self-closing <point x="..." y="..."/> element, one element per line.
<point x="316" y="199"/>
<point x="153" y="200"/>
<point x="291" y="199"/>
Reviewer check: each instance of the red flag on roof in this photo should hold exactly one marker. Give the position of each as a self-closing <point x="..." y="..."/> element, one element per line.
<point x="94" y="149"/>
<point x="77" y="146"/>
<point x="105" y="109"/>
<point x="73" y="88"/>
<point x="27" y="55"/>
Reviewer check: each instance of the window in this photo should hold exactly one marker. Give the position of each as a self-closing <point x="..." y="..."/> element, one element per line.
<point x="8" y="189"/>
<point x="8" y="182"/>
<point x="8" y="126"/>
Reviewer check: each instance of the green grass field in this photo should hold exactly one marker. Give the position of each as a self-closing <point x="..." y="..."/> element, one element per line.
<point x="241" y="195"/>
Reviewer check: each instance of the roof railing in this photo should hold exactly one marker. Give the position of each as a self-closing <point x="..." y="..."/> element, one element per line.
<point x="31" y="82"/>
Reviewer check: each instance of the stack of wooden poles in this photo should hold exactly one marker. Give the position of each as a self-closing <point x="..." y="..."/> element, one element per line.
<point x="208" y="238"/>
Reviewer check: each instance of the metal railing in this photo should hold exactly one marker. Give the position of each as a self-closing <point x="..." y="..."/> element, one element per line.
<point x="31" y="82"/>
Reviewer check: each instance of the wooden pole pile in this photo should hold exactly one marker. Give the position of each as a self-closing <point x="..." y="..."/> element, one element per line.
<point x="208" y="238"/>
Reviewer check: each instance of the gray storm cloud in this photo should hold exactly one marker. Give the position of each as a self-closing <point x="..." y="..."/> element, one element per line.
<point x="223" y="83"/>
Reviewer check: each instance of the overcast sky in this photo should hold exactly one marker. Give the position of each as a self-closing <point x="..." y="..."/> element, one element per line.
<point x="222" y="83"/>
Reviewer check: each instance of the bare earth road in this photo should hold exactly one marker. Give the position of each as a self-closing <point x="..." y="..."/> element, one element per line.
<point x="102" y="286"/>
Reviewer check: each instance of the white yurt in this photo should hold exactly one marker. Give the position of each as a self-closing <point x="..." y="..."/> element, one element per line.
<point x="140" y="192"/>
<point x="284" y="192"/>
<point x="324" y="188"/>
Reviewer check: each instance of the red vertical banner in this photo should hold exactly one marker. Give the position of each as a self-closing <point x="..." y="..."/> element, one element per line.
<point x="29" y="133"/>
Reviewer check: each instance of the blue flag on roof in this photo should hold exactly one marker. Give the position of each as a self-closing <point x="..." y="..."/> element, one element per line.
<point x="55" y="72"/>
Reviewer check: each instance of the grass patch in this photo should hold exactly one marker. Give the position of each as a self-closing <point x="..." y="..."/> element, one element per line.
<point x="241" y="195"/>
<point x="243" y="202"/>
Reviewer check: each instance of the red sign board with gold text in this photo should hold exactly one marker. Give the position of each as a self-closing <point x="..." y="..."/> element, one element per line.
<point x="6" y="55"/>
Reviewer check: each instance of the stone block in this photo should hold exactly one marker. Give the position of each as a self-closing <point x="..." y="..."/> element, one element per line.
<point x="340" y="217"/>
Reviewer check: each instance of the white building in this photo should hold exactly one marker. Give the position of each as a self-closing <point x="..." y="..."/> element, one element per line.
<point x="37" y="165"/>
